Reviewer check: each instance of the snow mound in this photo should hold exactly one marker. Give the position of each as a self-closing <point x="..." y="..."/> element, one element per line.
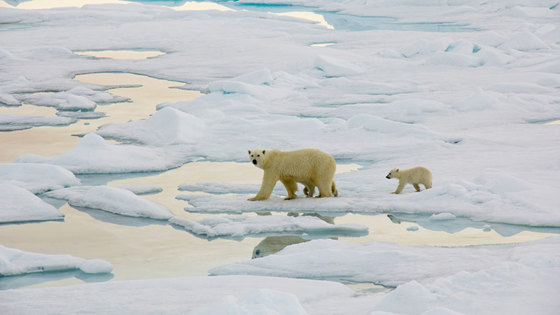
<point x="525" y="41"/>
<point x="37" y="178"/>
<point x="20" y="205"/>
<point x="17" y="262"/>
<point x="241" y="226"/>
<point x="165" y="127"/>
<point x="111" y="199"/>
<point x="92" y="155"/>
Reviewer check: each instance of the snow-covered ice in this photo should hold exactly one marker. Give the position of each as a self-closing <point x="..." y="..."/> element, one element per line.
<point x="37" y="178"/>
<point x="240" y="226"/>
<point x="112" y="199"/>
<point x="94" y="155"/>
<point x="383" y="263"/>
<point x="10" y="122"/>
<point x="143" y="189"/>
<point x="528" y="273"/>
<point x="463" y="88"/>
<point x="20" y="205"/>
<point x="202" y="295"/>
<point x="16" y="262"/>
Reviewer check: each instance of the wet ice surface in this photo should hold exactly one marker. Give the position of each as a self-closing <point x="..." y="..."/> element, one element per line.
<point x="467" y="90"/>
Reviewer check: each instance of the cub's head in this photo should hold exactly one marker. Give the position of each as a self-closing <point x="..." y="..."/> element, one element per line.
<point x="257" y="157"/>
<point x="394" y="173"/>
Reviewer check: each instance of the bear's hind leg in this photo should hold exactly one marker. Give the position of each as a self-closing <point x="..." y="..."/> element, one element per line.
<point x="417" y="187"/>
<point x="291" y="188"/>
<point x="309" y="190"/>
<point x="325" y="190"/>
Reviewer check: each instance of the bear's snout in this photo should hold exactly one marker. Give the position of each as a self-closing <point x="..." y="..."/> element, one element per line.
<point x="255" y="162"/>
<point x="387" y="177"/>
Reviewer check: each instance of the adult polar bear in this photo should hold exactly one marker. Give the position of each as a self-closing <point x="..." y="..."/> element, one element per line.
<point x="311" y="167"/>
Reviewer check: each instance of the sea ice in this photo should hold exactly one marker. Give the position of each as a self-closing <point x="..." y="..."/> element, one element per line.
<point x="165" y="127"/>
<point x="10" y="122"/>
<point x="390" y="264"/>
<point x="111" y="199"/>
<point x="468" y="104"/>
<point x="241" y="226"/>
<point x="205" y="294"/>
<point x="16" y="262"/>
<point x="37" y="178"/>
<point x="20" y="205"/>
<point x="143" y="189"/>
<point x="93" y="155"/>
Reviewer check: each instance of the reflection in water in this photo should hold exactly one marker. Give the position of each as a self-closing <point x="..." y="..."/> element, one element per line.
<point x="15" y="282"/>
<point x="456" y="232"/>
<point x="274" y="244"/>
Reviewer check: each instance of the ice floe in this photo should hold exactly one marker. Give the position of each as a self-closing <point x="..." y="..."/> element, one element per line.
<point x="207" y="295"/>
<point x="93" y="155"/>
<point x="241" y="226"/>
<point x="10" y="122"/>
<point x="37" y="178"/>
<point x="143" y="189"/>
<point x="20" y="205"/>
<point x="17" y="262"/>
<point x="111" y="199"/>
<point x="390" y="264"/>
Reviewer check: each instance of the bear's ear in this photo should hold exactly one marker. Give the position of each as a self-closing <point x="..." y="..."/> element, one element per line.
<point x="397" y="169"/>
<point x="264" y="151"/>
<point x="249" y="151"/>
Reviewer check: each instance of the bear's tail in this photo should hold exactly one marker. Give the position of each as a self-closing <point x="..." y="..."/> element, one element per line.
<point x="333" y="189"/>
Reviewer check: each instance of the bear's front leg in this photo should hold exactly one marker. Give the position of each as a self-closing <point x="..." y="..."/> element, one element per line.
<point x="267" y="186"/>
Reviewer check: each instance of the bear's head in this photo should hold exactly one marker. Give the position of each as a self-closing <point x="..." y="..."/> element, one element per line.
<point x="257" y="157"/>
<point x="394" y="173"/>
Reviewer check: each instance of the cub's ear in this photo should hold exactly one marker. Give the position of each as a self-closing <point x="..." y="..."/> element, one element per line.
<point x="264" y="151"/>
<point x="397" y="169"/>
<point x="249" y="151"/>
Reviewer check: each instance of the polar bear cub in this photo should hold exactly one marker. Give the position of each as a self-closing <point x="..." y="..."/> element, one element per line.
<point x="311" y="167"/>
<point x="415" y="176"/>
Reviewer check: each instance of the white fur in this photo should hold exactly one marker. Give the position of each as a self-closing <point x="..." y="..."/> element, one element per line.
<point x="415" y="176"/>
<point x="311" y="167"/>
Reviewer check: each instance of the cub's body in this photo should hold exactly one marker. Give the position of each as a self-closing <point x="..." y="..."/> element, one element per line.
<point x="415" y="176"/>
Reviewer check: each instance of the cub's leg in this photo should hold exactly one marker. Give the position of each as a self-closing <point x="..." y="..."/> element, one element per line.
<point x="399" y="188"/>
<point x="416" y="186"/>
